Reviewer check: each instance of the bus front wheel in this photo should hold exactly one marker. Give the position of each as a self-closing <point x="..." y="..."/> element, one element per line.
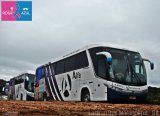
<point x="85" y="96"/>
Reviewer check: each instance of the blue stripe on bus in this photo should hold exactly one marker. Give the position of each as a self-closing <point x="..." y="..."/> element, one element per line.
<point x="55" y="83"/>
<point x="47" y="84"/>
<point x="51" y="83"/>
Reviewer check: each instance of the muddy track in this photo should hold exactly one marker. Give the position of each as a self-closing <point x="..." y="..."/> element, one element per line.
<point x="56" y="108"/>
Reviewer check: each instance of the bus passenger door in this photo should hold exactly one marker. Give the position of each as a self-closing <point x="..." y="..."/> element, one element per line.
<point x="100" y="90"/>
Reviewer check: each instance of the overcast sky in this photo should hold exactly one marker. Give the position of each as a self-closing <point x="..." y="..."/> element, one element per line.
<point x="61" y="26"/>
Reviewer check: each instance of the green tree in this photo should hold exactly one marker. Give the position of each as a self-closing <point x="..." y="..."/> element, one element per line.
<point x="2" y="84"/>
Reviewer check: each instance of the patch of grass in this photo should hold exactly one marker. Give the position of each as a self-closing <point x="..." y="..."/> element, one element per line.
<point x="153" y="95"/>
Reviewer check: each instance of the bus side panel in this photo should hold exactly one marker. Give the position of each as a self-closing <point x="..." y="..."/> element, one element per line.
<point x="12" y="92"/>
<point x="36" y="90"/>
<point x="63" y="86"/>
<point x="71" y="83"/>
<point x="20" y="93"/>
<point x="100" y="90"/>
<point x="41" y="88"/>
<point x="87" y="81"/>
<point x="48" y="83"/>
<point x="97" y="89"/>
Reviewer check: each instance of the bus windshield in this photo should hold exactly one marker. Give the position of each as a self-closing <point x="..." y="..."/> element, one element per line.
<point x="127" y="67"/>
<point x="29" y="82"/>
<point x="137" y="68"/>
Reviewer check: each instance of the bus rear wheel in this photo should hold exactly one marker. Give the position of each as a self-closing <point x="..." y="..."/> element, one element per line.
<point x="44" y="97"/>
<point x="21" y="97"/>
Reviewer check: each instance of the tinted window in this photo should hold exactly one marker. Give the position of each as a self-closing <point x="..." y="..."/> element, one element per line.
<point x="46" y="71"/>
<point x="101" y="67"/>
<point x="49" y="70"/>
<point x="12" y="82"/>
<point x="18" y="80"/>
<point x="53" y="67"/>
<point x="60" y="67"/>
<point x="81" y="60"/>
<point x="70" y="64"/>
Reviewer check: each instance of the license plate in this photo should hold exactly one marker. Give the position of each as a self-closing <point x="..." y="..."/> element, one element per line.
<point x="132" y="97"/>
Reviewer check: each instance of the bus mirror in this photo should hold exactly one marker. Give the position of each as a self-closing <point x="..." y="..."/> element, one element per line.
<point x="107" y="55"/>
<point x="152" y="65"/>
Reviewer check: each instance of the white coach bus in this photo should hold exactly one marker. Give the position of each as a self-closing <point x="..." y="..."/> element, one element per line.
<point x="94" y="73"/>
<point x="21" y="87"/>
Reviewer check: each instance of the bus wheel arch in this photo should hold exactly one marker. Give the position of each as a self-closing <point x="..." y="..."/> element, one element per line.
<point x="85" y="95"/>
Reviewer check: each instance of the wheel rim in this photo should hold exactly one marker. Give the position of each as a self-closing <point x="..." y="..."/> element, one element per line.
<point x="44" y="98"/>
<point x="86" y="98"/>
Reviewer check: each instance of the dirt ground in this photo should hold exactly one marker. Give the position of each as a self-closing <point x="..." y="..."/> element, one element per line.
<point x="57" y="108"/>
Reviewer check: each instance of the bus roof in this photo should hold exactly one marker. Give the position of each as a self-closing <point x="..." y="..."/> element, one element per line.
<point x="20" y="75"/>
<point x="86" y="48"/>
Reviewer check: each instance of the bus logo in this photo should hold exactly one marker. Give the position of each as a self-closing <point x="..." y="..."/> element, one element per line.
<point x="16" y="10"/>
<point x="66" y="85"/>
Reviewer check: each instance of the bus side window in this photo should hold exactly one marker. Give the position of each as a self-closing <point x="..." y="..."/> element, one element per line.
<point x="60" y="67"/>
<point x="53" y="65"/>
<point x="70" y="64"/>
<point x="81" y="60"/>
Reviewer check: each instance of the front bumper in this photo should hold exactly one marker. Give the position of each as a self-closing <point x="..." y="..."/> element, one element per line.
<point x="114" y="95"/>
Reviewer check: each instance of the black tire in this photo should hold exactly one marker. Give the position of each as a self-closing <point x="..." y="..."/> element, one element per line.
<point x="44" y="97"/>
<point x="21" y="97"/>
<point x="85" y="96"/>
